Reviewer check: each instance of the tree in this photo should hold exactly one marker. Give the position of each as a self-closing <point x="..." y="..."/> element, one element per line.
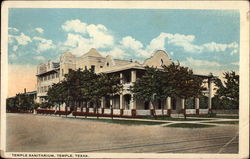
<point x="11" y="104"/>
<point x="21" y="102"/>
<point x="151" y="87"/>
<point x="184" y="83"/>
<point x="228" y="91"/>
<point x="79" y="86"/>
<point x="108" y="85"/>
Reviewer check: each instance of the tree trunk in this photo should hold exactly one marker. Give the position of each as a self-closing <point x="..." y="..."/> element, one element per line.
<point x="75" y="107"/>
<point x="59" y="108"/>
<point x="184" y="111"/>
<point x="96" y="109"/>
<point x="86" y="105"/>
<point x="162" y="109"/>
<point x="81" y="107"/>
<point x="154" y="113"/>
<point x="111" y="107"/>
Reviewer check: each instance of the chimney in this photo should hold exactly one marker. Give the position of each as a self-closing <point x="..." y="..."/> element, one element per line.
<point x="25" y="90"/>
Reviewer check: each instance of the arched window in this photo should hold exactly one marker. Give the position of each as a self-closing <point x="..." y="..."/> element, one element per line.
<point x="161" y="63"/>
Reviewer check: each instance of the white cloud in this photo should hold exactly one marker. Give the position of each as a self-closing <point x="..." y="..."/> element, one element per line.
<point x="180" y="40"/>
<point x="100" y="36"/>
<point x="39" y="58"/>
<point x="73" y="40"/>
<point x="186" y="42"/>
<point x="11" y="39"/>
<point x="23" y="39"/>
<point x="89" y="36"/>
<point x="77" y="44"/>
<point x="195" y="62"/>
<point x="157" y="43"/>
<point x="115" y="52"/>
<point x="14" y="29"/>
<point x="39" y="30"/>
<point x="235" y="51"/>
<point x="15" y="47"/>
<point x="131" y="43"/>
<point x="214" y="47"/>
<point x="44" y="44"/>
<point x="235" y="63"/>
<point x="75" y="26"/>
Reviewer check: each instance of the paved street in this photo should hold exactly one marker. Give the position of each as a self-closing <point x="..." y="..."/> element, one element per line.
<point x="41" y="133"/>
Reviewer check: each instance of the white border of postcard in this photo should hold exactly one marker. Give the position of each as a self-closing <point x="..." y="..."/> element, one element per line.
<point x="242" y="6"/>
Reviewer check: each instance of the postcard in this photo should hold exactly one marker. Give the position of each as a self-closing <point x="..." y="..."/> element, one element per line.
<point x="125" y="79"/>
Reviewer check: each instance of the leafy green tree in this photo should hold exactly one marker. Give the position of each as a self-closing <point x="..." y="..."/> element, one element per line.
<point x="106" y="85"/>
<point x="11" y="104"/>
<point x="151" y="87"/>
<point x="86" y="86"/>
<point x="228" y="91"/>
<point x="184" y="83"/>
<point x="21" y="102"/>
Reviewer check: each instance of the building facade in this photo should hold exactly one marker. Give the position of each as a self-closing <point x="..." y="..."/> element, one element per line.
<point x="129" y="71"/>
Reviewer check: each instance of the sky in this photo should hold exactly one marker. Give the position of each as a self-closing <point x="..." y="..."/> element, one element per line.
<point x="204" y="40"/>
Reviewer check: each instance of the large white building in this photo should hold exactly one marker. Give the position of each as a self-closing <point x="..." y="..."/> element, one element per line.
<point x="129" y="71"/>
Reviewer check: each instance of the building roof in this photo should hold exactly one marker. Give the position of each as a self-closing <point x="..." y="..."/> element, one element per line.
<point x="92" y="52"/>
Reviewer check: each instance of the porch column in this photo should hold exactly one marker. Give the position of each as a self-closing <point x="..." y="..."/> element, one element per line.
<point x="133" y="102"/>
<point x="182" y="103"/>
<point x="133" y="76"/>
<point x="151" y="105"/>
<point x="121" y="101"/>
<point x="121" y="78"/>
<point x="209" y="95"/>
<point x="168" y="101"/>
<point x="103" y="102"/>
<point x="111" y="103"/>
<point x="197" y="105"/>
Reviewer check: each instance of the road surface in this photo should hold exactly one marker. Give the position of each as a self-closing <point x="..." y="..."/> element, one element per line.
<point x="45" y="133"/>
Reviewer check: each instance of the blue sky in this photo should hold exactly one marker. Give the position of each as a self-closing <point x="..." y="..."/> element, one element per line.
<point x="205" y="40"/>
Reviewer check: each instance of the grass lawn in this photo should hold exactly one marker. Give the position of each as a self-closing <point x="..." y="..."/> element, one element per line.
<point x="170" y="118"/>
<point x="125" y="122"/>
<point x="215" y="116"/>
<point x="189" y="125"/>
<point x="224" y="122"/>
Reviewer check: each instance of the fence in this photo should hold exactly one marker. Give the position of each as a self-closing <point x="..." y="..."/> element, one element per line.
<point x="190" y="111"/>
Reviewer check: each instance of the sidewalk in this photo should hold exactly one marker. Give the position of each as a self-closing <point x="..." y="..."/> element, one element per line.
<point x="164" y="122"/>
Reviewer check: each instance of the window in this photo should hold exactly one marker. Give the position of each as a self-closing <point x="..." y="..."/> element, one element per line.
<point x="57" y="74"/>
<point x="161" y="62"/>
<point x="48" y="77"/>
<point x="62" y="72"/>
<point x="107" y="64"/>
<point x="101" y="66"/>
<point x="53" y="76"/>
<point x="93" y="68"/>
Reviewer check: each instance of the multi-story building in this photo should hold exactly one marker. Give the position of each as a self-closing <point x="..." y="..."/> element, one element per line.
<point x="129" y="71"/>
